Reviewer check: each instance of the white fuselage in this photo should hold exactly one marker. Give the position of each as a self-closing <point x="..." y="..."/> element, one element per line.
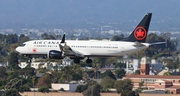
<point x="88" y="48"/>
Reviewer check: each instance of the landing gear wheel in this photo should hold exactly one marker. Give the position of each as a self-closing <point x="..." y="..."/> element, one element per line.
<point x="77" y="61"/>
<point x="88" y="61"/>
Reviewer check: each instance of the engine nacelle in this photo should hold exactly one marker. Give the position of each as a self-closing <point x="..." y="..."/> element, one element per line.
<point x="54" y="54"/>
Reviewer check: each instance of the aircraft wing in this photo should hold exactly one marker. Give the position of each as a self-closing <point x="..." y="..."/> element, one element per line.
<point x="68" y="51"/>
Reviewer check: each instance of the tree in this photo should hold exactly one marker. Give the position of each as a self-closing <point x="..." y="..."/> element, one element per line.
<point x="140" y="88"/>
<point x="141" y="84"/>
<point x="167" y="73"/>
<point x="44" y="88"/>
<point x="93" y="73"/>
<point x="13" y="83"/>
<point x="24" y="88"/>
<point x="69" y="73"/>
<point x="13" y="47"/>
<point x="120" y="65"/>
<point x="101" y="61"/>
<point x="91" y="82"/>
<point x="44" y="80"/>
<point x="108" y="73"/>
<point x="11" y="75"/>
<point x="120" y="73"/>
<point x="118" y="37"/>
<point x="26" y="72"/>
<point x="129" y="93"/>
<point x="172" y="64"/>
<point x="13" y="61"/>
<point x="2" y="83"/>
<point x="65" y="78"/>
<point x="81" y="88"/>
<point x="77" y="72"/>
<point x="107" y="82"/>
<point x="11" y="38"/>
<point x="11" y="92"/>
<point x="122" y="85"/>
<point x="61" y="89"/>
<point x="47" y="36"/>
<point x="96" y="66"/>
<point x="90" y="73"/>
<point x="93" y="90"/>
<point x="137" y="72"/>
<point x="23" y="38"/>
<point x="3" y="73"/>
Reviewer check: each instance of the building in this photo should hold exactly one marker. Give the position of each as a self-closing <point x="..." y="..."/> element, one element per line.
<point x="36" y="65"/>
<point x="66" y="87"/>
<point x="145" y="66"/>
<point x="154" y="67"/>
<point x="168" y="84"/>
<point x="47" y="65"/>
<point x="157" y="82"/>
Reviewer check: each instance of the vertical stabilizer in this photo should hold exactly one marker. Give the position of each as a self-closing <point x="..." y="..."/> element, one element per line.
<point x="140" y="32"/>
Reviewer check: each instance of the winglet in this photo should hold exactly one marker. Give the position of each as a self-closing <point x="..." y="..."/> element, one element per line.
<point x="63" y="39"/>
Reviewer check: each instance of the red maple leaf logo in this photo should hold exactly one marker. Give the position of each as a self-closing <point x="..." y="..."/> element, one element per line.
<point x="140" y="33"/>
<point x="34" y="50"/>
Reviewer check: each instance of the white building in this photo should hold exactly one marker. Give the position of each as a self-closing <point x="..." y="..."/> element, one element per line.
<point x="22" y="65"/>
<point x="36" y="65"/>
<point x="67" y="62"/>
<point x="131" y="65"/>
<point x="49" y="65"/>
<point x="66" y="87"/>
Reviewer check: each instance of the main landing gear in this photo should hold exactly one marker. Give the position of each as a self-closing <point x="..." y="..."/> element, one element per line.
<point x="89" y="61"/>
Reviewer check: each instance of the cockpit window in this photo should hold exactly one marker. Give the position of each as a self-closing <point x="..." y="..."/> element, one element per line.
<point x="22" y="45"/>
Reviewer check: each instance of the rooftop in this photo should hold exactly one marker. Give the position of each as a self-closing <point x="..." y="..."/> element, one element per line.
<point x="152" y="76"/>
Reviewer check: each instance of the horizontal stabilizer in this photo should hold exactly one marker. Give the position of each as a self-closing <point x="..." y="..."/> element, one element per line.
<point x="155" y="43"/>
<point x="138" y="44"/>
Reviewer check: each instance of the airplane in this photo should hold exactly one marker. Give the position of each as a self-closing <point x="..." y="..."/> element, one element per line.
<point x="80" y="49"/>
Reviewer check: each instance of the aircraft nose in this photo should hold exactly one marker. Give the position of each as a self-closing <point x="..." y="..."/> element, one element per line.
<point x="17" y="49"/>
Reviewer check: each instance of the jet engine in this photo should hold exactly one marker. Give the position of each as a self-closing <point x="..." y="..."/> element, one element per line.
<point x="54" y="54"/>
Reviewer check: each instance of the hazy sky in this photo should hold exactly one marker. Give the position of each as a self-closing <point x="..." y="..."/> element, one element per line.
<point x="40" y="11"/>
